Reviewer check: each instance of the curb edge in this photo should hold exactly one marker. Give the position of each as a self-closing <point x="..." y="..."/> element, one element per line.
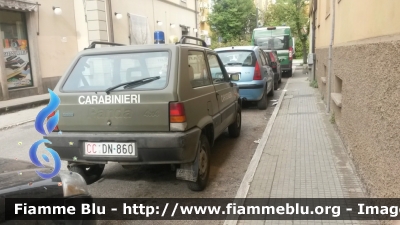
<point x="253" y="165"/>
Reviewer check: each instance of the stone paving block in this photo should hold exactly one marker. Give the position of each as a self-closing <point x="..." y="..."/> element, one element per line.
<point x="304" y="156"/>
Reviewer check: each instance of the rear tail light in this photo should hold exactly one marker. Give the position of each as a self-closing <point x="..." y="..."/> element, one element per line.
<point x="257" y="72"/>
<point x="177" y="116"/>
<point x="51" y="115"/>
<point x="290" y="53"/>
<point x="273" y="60"/>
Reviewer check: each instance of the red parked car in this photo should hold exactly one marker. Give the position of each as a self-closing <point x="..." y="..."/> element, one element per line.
<point x="275" y="65"/>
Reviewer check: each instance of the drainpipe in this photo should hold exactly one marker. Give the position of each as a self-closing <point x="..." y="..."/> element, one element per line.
<point x="313" y="38"/>
<point x="3" y="76"/>
<point x="330" y="58"/>
<point x="196" y="13"/>
<point x="110" y="21"/>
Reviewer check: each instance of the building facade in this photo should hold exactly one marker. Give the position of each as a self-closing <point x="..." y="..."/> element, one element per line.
<point x="364" y="82"/>
<point x="39" y="39"/>
<point x="204" y="11"/>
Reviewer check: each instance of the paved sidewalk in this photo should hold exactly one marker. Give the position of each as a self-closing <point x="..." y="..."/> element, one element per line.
<point x="23" y="103"/>
<point x="303" y="156"/>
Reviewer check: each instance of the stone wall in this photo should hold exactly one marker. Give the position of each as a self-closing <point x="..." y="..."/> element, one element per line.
<point x="368" y="77"/>
<point x="49" y="82"/>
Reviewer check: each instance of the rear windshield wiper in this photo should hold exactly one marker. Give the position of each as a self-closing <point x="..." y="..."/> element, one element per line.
<point x="134" y="83"/>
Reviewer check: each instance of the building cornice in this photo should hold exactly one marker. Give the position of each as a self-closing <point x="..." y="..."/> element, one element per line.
<point x="177" y="5"/>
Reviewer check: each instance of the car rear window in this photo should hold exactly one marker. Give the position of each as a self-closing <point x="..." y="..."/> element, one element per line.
<point x="272" y="56"/>
<point x="238" y="58"/>
<point x="99" y="72"/>
<point x="273" y="42"/>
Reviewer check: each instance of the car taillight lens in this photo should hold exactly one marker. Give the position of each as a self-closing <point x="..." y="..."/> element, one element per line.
<point x="290" y="53"/>
<point x="176" y="112"/>
<point x="51" y="115"/>
<point x="177" y="116"/>
<point x="257" y="72"/>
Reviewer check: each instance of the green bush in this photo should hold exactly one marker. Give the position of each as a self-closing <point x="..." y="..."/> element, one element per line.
<point x="332" y="119"/>
<point x="314" y="84"/>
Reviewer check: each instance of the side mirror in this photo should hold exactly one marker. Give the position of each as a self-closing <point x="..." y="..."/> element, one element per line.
<point x="234" y="76"/>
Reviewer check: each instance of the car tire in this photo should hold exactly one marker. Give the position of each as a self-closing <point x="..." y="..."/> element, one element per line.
<point x="203" y="158"/>
<point x="262" y="103"/>
<point x="90" y="173"/>
<point x="271" y="93"/>
<point x="234" y="128"/>
<point x="276" y="85"/>
<point x="290" y="73"/>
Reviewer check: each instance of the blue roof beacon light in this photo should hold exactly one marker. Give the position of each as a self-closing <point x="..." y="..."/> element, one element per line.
<point x="159" y="37"/>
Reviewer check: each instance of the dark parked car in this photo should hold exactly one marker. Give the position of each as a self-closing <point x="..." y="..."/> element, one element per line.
<point x="275" y="64"/>
<point x="18" y="179"/>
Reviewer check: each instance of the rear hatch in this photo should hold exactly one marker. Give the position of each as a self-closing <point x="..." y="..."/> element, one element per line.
<point x="85" y="105"/>
<point x="242" y="61"/>
<point x="279" y="43"/>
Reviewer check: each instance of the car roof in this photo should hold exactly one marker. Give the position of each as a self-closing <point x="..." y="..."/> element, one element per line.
<point x="277" y="27"/>
<point x="128" y="48"/>
<point x="269" y="50"/>
<point x="250" y="47"/>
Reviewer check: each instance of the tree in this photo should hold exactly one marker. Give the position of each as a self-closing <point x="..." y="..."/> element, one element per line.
<point x="293" y="13"/>
<point x="232" y="19"/>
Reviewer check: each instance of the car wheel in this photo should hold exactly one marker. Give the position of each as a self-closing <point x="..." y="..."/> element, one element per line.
<point x="276" y="85"/>
<point x="234" y="128"/>
<point x="271" y="93"/>
<point x="290" y="73"/>
<point x="262" y="103"/>
<point x="203" y="160"/>
<point x="90" y="173"/>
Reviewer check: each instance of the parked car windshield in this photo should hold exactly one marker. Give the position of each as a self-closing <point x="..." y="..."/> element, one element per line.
<point x="273" y="42"/>
<point x="99" y="72"/>
<point x="238" y="58"/>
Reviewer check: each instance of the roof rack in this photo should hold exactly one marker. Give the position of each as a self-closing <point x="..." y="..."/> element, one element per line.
<point x="183" y="40"/>
<point x="94" y="43"/>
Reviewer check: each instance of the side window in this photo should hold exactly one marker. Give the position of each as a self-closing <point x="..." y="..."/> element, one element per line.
<point x="197" y="69"/>
<point x="217" y="73"/>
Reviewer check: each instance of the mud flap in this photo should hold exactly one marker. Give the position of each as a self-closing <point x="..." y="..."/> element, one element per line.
<point x="189" y="171"/>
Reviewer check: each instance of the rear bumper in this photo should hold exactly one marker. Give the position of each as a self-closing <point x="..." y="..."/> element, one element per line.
<point x="151" y="147"/>
<point x="286" y="67"/>
<point x="250" y="86"/>
<point x="251" y="91"/>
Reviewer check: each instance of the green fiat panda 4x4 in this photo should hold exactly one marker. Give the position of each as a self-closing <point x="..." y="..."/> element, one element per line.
<point x="147" y="104"/>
